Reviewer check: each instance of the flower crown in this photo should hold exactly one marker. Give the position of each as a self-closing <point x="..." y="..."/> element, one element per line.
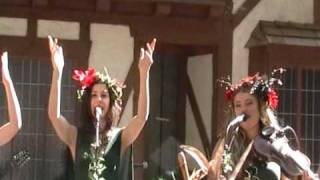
<point x="90" y="77"/>
<point x="264" y="88"/>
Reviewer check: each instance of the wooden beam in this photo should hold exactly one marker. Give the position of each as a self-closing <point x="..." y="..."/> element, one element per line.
<point x="195" y="2"/>
<point x="316" y="6"/>
<point x="243" y="11"/>
<point x="215" y="12"/>
<point x="198" y="118"/>
<point x="173" y="30"/>
<point x="103" y="5"/>
<point x="32" y="28"/>
<point x="181" y="101"/>
<point x="39" y="3"/>
<point x="222" y="66"/>
<point x="84" y="31"/>
<point x="163" y="9"/>
<point x="258" y="59"/>
<point x="28" y="46"/>
<point x="168" y="29"/>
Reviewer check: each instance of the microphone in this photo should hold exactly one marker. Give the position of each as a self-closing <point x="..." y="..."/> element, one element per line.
<point x="236" y="121"/>
<point x="98" y="113"/>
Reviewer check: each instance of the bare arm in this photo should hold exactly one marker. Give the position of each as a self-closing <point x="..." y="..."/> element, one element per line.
<point x="9" y="130"/>
<point x="65" y="131"/>
<point x="132" y="131"/>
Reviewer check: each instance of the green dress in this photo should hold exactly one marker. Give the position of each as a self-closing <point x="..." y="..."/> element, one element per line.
<point x="117" y="168"/>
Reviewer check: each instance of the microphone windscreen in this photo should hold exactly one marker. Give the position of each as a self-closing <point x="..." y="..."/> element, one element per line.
<point x="98" y="110"/>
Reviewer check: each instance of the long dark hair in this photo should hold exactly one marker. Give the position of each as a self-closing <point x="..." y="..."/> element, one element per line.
<point x="112" y="117"/>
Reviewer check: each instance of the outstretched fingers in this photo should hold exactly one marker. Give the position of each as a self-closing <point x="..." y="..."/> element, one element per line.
<point x="141" y="53"/>
<point x="4" y="58"/>
<point x="50" y="42"/>
<point x="56" y="53"/>
<point x="153" y="44"/>
<point x="53" y="44"/>
<point x="4" y="63"/>
<point x="4" y="69"/>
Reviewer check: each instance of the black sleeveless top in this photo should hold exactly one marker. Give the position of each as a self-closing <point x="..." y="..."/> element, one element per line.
<point x="117" y="168"/>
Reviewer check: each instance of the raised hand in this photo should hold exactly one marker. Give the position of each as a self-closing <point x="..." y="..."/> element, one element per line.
<point x="9" y="130"/>
<point x="56" y="51"/>
<point x="132" y="131"/>
<point x="5" y="71"/>
<point x="146" y="59"/>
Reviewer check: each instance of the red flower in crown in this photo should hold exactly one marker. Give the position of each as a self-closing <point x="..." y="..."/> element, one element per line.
<point x="273" y="98"/>
<point x="86" y="78"/>
<point x="229" y="94"/>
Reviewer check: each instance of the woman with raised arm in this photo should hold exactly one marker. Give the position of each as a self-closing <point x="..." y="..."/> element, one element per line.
<point x="99" y="149"/>
<point x="10" y="129"/>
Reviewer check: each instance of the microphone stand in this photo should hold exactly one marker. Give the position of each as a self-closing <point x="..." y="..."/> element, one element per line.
<point x="97" y="132"/>
<point x="96" y="165"/>
<point x="232" y="138"/>
<point x="234" y="123"/>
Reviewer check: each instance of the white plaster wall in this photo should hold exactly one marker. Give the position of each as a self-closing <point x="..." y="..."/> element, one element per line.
<point x="200" y="73"/>
<point x="237" y="4"/>
<point x="112" y="47"/>
<point x="300" y="11"/>
<point x="59" y="29"/>
<point x="13" y="26"/>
